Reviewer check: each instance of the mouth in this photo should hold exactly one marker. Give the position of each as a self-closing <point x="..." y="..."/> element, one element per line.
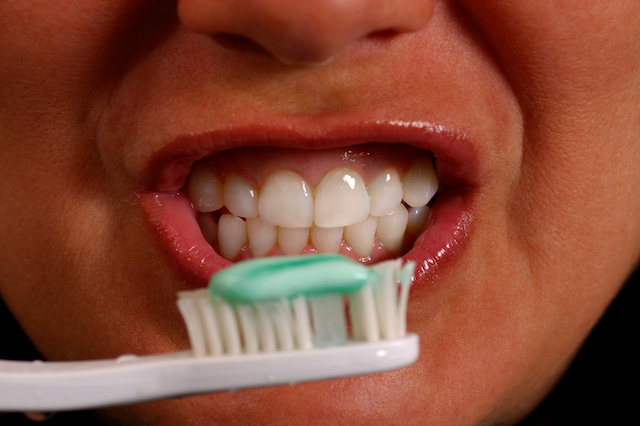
<point x="371" y="192"/>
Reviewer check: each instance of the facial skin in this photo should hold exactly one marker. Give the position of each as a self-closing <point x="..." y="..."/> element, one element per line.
<point x="544" y="95"/>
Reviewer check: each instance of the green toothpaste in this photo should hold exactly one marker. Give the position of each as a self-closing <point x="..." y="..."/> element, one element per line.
<point x="273" y="278"/>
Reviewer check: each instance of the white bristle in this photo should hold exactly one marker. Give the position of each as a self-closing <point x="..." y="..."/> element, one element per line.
<point x="210" y="325"/>
<point x="281" y="316"/>
<point x="364" y="319"/>
<point x="376" y="312"/>
<point x="228" y="327"/>
<point x="386" y="292"/>
<point x="187" y="304"/>
<point x="329" y="322"/>
<point x="302" y="323"/>
<point x="265" y="329"/>
<point x="406" y="279"/>
<point x="248" y="328"/>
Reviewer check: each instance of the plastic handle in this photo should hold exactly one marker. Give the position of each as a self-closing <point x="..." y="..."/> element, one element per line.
<point x="58" y="386"/>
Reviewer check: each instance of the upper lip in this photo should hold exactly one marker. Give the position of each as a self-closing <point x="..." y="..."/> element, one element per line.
<point x="456" y="154"/>
<point x="163" y="175"/>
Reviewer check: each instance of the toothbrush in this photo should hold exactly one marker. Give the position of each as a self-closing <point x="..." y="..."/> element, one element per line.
<point x="262" y="322"/>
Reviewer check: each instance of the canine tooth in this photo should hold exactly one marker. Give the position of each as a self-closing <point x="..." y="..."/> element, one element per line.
<point x="326" y="240"/>
<point x="208" y="226"/>
<point x="385" y="193"/>
<point x="240" y="198"/>
<point x="286" y="200"/>
<point x="232" y="235"/>
<point x="292" y="240"/>
<point x="262" y="236"/>
<point x="417" y="219"/>
<point x="361" y="236"/>
<point x="204" y="189"/>
<point x="391" y="229"/>
<point x="420" y="183"/>
<point x="341" y="199"/>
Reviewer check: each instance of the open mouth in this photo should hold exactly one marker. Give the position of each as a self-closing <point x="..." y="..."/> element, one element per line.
<point x="364" y="202"/>
<point x="389" y="191"/>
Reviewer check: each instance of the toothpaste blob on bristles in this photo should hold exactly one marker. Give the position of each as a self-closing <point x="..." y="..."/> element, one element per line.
<point x="274" y="278"/>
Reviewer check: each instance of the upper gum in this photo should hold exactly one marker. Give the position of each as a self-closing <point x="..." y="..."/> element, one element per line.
<point x="256" y="164"/>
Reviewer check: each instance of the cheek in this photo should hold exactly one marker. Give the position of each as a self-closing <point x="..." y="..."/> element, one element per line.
<point x="573" y="212"/>
<point x="83" y="284"/>
<point x="70" y="238"/>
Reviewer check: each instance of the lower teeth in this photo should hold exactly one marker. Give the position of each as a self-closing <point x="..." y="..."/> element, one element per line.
<point x="236" y="238"/>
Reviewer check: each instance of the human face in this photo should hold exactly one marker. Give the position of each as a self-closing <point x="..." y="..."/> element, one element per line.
<point x="529" y="109"/>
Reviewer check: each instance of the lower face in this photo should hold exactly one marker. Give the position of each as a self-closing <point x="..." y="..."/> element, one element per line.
<point x="112" y="207"/>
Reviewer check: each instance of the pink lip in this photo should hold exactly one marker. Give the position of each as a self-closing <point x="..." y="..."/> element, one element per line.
<point x="170" y="214"/>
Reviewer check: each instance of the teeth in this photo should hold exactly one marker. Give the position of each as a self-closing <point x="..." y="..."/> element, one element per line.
<point x="391" y="229"/>
<point x="326" y="240"/>
<point x="262" y="236"/>
<point x="240" y="198"/>
<point x="361" y="236"/>
<point x="385" y="192"/>
<point x="285" y="200"/>
<point x="283" y="212"/>
<point x="205" y="189"/>
<point x="341" y="199"/>
<point x="232" y="235"/>
<point x="208" y="226"/>
<point x="418" y="217"/>
<point x="292" y="240"/>
<point x="420" y="184"/>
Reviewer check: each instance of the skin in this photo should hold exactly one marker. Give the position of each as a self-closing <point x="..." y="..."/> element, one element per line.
<point x="550" y="89"/>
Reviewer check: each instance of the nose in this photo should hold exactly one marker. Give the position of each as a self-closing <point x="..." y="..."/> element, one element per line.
<point x="304" y="31"/>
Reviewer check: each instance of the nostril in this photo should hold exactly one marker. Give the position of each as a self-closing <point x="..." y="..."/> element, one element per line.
<point x="384" y="34"/>
<point x="302" y="32"/>
<point x="238" y="43"/>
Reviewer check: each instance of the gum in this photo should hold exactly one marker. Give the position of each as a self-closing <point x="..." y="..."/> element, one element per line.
<point x="256" y="163"/>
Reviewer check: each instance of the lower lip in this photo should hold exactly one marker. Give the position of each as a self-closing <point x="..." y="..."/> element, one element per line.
<point x="173" y="220"/>
<point x="445" y="234"/>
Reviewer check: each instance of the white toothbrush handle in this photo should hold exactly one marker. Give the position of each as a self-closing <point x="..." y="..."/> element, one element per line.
<point x="58" y="386"/>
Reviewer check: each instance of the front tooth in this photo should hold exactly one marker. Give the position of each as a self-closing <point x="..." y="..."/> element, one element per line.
<point x="292" y="240"/>
<point x="208" y="226"/>
<point x="285" y="200"/>
<point x="232" y="235"/>
<point x="240" y="198"/>
<point x="385" y="193"/>
<point x="262" y="236"/>
<point x="391" y="229"/>
<point x="418" y="217"/>
<point x="420" y="183"/>
<point x="361" y="236"/>
<point x="326" y="240"/>
<point x="204" y="189"/>
<point x="341" y="199"/>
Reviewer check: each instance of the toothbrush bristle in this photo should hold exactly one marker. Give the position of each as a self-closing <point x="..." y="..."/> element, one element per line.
<point x="376" y="312"/>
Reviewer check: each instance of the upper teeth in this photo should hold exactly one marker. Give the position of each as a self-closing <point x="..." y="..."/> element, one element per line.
<point x="341" y="199"/>
<point x="386" y="193"/>
<point x="420" y="184"/>
<point x="286" y="200"/>
<point x="287" y="212"/>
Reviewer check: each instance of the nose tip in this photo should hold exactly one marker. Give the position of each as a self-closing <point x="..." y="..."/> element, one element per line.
<point x="301" y="32"/>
